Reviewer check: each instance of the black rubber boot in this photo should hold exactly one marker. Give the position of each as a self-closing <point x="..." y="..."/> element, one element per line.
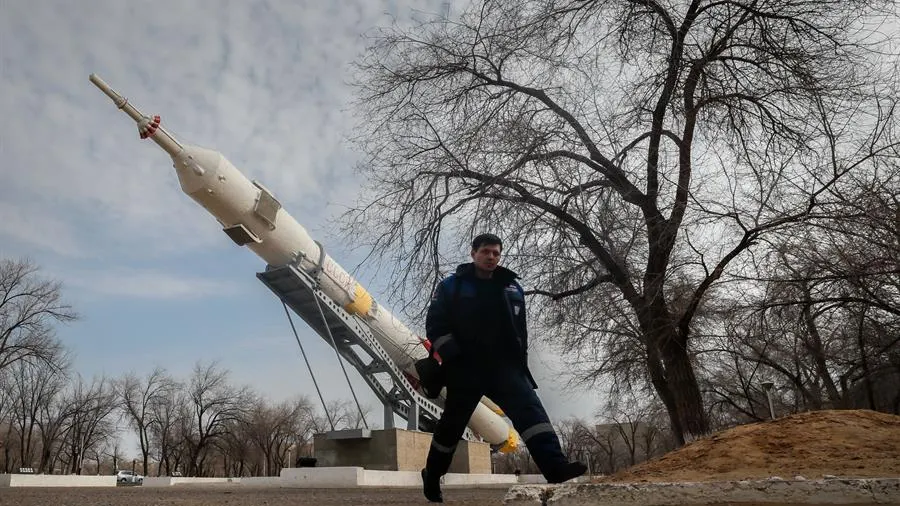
<point x="567" y="472"/>
<point x="431" y="486"/>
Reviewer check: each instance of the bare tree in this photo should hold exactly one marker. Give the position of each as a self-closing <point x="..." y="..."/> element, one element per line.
<point x="53" y="420"/>
<point x="29" y="306"/>
<point x="213" y="403"/>
<point x="575" y="442"/>
<point x="273" y="430"/>
<point x="626" y="415"/>
<point x="113" y="450"/>
<point x="629" y="151"/>
<point x="166" y="420"/>
<point x="89" y="421"/>
<point x="7" y="401"/>
<point x="138" y="398"/>
<point x="36" y="387"/>
<point x="655" y="439"/>
<point x="518" y="460"/>
<point x="238" y="449"/>
<point x="603" y="440"/>
<point x="844" y="281"/>
<point x="822" y="324"/>
<point x="345" y="415"/>
<point x="309" y="423"/>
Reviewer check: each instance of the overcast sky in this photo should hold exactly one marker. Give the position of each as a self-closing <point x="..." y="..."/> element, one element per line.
<point x="155" y="280"/>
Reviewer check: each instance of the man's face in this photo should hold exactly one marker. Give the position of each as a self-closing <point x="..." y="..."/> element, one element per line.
<point x="486" y="257"/>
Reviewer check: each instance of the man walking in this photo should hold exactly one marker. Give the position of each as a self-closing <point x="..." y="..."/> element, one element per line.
<point x="476" y="325"/>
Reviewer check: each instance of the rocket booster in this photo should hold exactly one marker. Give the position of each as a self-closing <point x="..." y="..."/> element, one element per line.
<point x="251" y="216"/>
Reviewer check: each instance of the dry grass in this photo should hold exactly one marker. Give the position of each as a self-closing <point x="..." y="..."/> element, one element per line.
<point x="856" y="444"/>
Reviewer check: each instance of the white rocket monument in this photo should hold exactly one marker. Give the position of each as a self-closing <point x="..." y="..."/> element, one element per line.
<point x="251" y="216"/>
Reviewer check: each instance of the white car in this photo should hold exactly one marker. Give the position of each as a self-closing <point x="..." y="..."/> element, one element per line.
<point x="124" y="476"/>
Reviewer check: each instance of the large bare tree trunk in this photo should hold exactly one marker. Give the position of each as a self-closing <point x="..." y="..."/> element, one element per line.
<point x="673" y="378"/>
<point x="684" y="391"/>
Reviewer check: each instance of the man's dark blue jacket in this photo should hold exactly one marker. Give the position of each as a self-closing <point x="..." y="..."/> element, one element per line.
<point x="456" y="332"/>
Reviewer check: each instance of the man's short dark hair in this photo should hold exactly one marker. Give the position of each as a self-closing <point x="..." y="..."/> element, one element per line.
<point x="486" y="240"/>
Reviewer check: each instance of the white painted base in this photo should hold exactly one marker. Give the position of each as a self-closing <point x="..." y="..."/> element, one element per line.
<point x="166" y="481"/>
<point x="55" y="480"/>
<point x="352" y="477"/>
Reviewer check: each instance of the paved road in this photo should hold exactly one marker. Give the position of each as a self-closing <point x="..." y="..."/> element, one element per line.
<point x="236" y="495"/>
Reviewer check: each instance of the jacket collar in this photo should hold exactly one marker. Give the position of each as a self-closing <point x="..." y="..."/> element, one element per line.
<point x="501" y="273"/>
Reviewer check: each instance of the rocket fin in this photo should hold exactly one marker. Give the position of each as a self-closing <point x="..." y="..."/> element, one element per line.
<point x="241" y="235"/>
<point x="267" y="205"/>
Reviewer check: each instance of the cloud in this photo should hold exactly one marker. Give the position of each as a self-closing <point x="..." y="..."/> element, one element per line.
<point x="149" y="284"/>
<point x="262" y="82"/>
<point x="29" y="223"/>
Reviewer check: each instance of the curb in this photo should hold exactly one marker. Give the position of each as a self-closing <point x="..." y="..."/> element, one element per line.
<point x="773" y="490"/>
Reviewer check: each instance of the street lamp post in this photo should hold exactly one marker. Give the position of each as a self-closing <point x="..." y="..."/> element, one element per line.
<point x="767" y="386"/>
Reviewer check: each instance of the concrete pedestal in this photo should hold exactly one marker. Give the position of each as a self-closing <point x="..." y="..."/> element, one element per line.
<point x="396" y="450"/>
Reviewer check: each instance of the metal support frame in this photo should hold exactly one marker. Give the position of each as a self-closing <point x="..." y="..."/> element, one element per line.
<point x="299" y="291"/>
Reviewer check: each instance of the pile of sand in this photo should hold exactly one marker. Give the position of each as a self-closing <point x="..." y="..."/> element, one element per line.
<point x="853" y="444"/>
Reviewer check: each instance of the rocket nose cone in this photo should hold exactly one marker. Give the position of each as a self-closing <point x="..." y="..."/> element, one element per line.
<point x="197" y="168"/>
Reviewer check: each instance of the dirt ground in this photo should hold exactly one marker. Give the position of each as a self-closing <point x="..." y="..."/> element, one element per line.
<point x="236" y="495"/>
<point x="851" y="444"/>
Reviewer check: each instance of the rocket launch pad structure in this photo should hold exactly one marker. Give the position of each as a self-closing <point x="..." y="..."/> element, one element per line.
<point x="315" y="287"/>
<point x="299" y="291"/>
